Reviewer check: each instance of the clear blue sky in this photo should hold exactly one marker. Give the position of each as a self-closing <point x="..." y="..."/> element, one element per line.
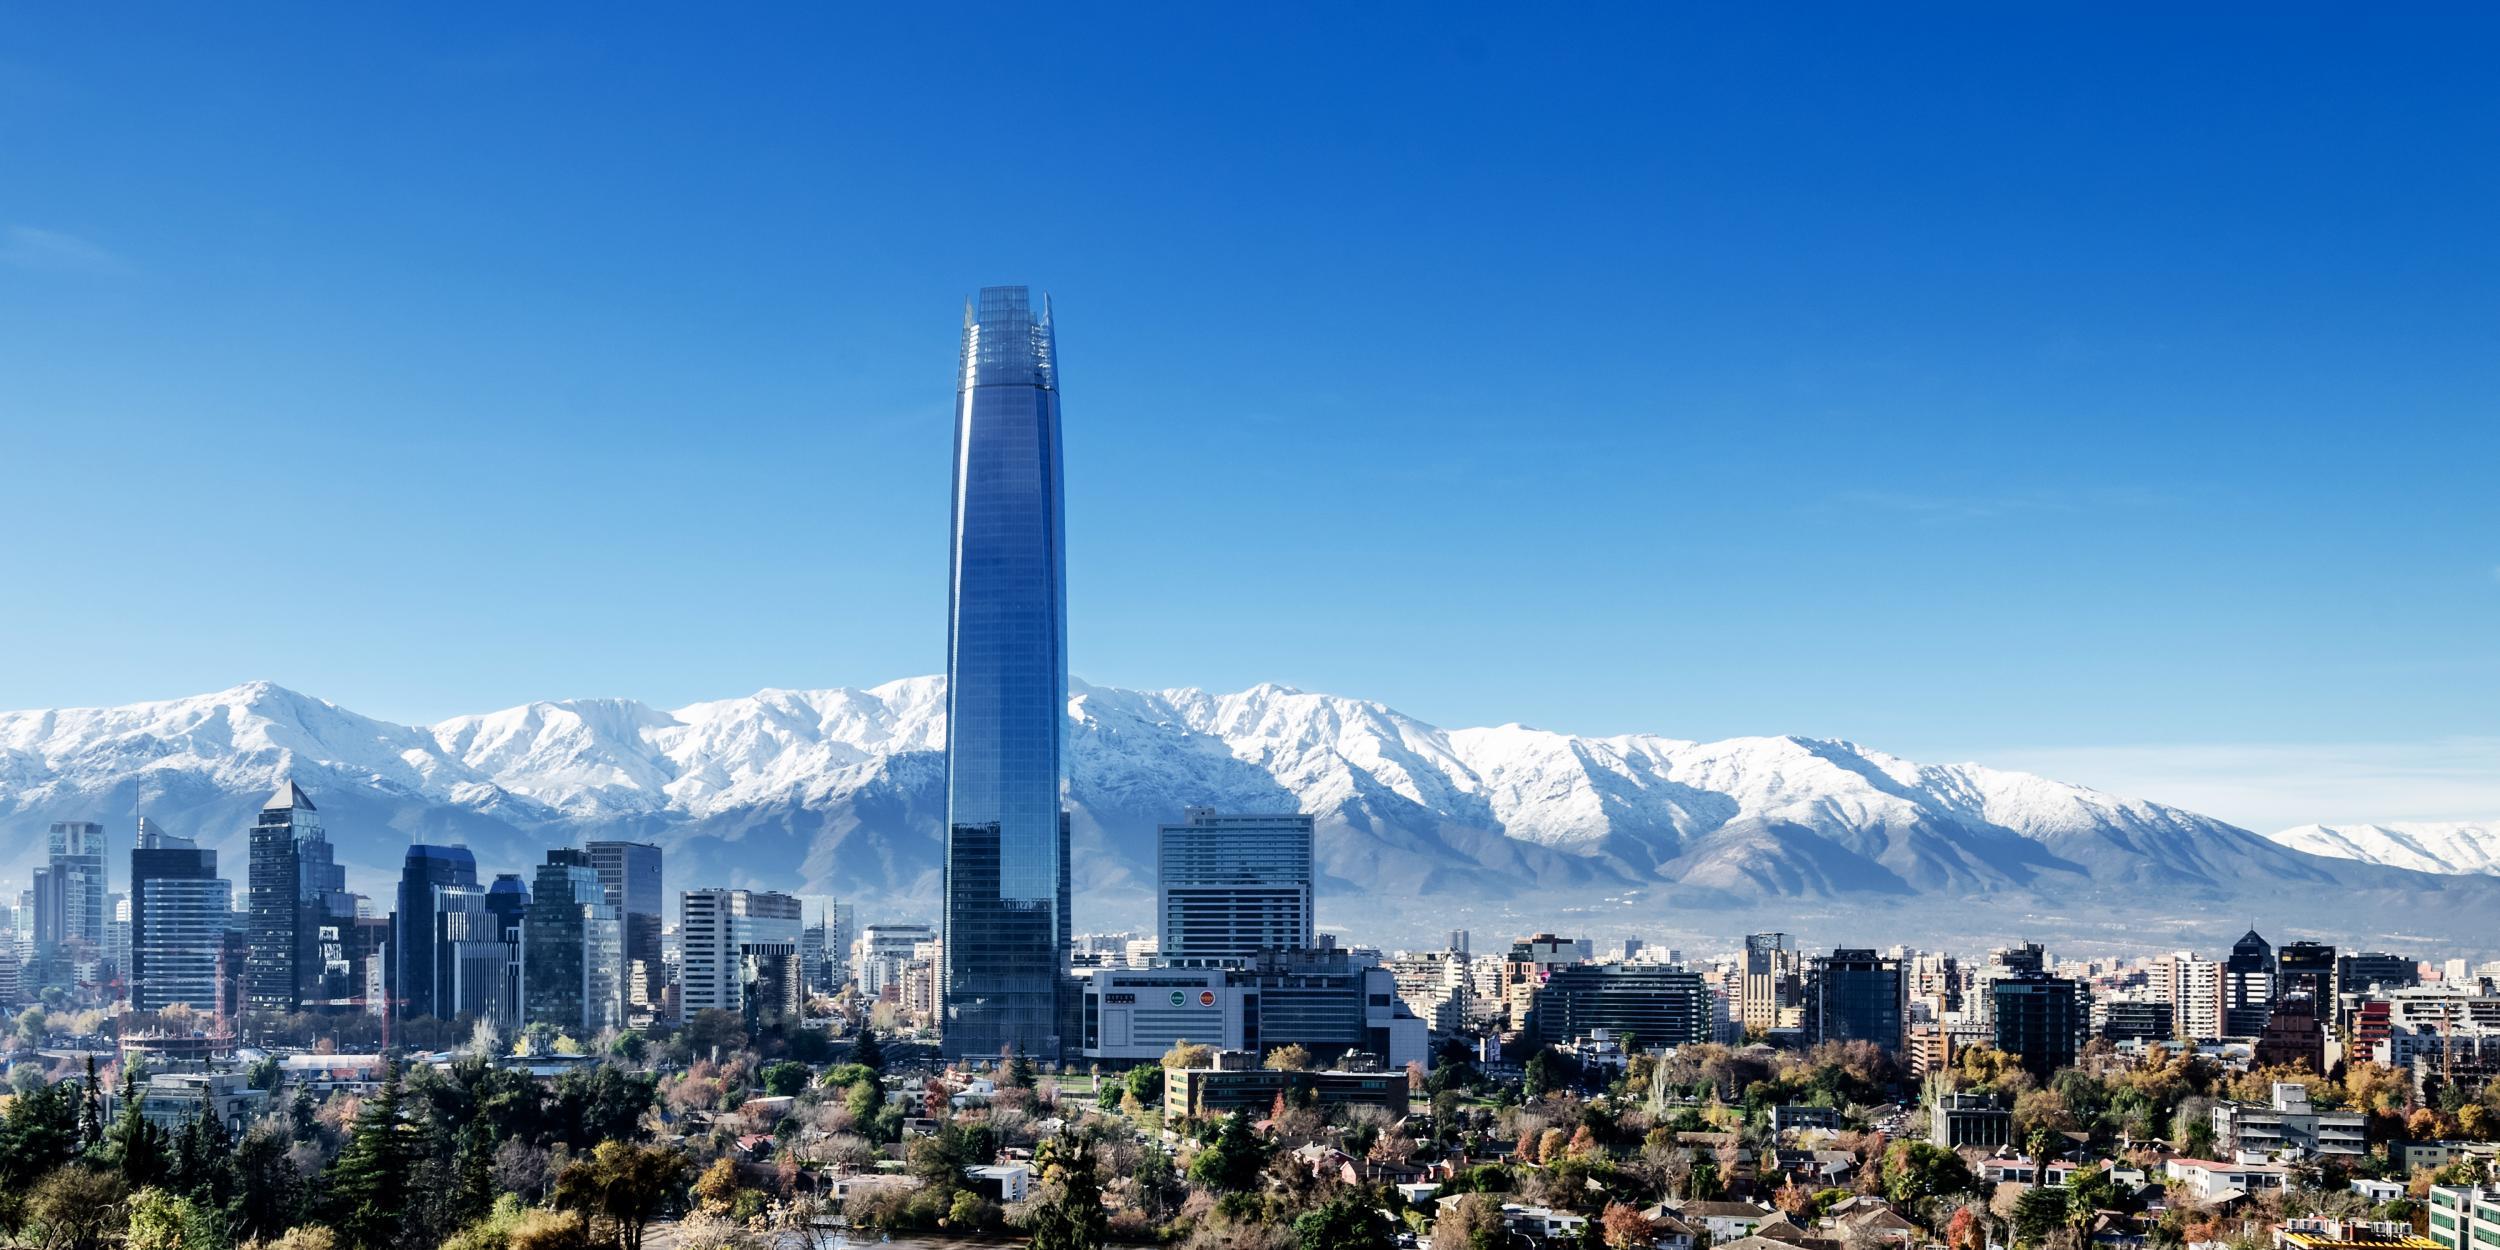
<point x="1959" y="379"/>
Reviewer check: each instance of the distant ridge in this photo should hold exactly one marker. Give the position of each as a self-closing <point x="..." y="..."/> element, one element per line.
<point x="838" y="791"/>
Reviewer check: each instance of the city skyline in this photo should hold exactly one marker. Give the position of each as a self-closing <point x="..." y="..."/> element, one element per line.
<point x="2021" y="458"/>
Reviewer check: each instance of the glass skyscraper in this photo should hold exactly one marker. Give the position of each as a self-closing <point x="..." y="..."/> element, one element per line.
<point x="1006" y="938"/>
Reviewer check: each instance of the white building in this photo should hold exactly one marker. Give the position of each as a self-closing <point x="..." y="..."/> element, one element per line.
<point x="717" y="930"/>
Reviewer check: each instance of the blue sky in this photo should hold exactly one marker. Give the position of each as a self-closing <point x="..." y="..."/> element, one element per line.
<point x="2024" y="383"/>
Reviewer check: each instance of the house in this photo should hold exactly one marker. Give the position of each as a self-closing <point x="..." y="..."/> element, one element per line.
<point x="1001" y="1182"/>
<point x="1666" y="1232"/>
<point x="2219" y="1182"/>
<point x="1725" y="1221"/>
<point x="1543" y="1223"/>
<point x="2015" y="1168"/>
<point x="1871" y="1219"/>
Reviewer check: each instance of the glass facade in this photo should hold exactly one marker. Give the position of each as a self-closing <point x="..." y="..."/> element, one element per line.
<point x="1006" y="937"/>
<point x="178" y="915"/>
<point x="1857" y="996"/>
<point x="418" y="976"/>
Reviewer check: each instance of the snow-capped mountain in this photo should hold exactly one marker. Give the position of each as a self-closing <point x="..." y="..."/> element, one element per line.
<point x="840" y="792"/>
<point x="2423" y="846"/>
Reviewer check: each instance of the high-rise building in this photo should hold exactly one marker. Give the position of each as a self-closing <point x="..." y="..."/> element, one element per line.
<point x="718" y="932"/>
<point x="1856" y="996"/>
<point x="572" y="947"/>
<point x="825" y="947"/>
<point x="2305" y="967"/>
<point x="1228" y="887"/>
<point x="1770" y="993"/>
<point x="179" y="912"/>
<point x="630" y="873"/>
<point x="296" y="891"/>
<point x="2248" y="985"/>
<point x="71" y="907"/>
<point x="2040" y="1018"/>
<point x="433" y="881"/>
<point x="2367" y="970"/>
<point x="2193" y="986"/>
<point x="1007" y="926"/>
<point x="882" y="953"/>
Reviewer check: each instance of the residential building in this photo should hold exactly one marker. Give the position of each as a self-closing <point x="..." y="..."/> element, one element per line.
<point x="2212" y="1179"/>
<point x="179" y="912"/>
<point x="629" y="875"/>
<point x="883" y="951"/>
<point x="2040" y="1018"/>
<point x="1007" y="922"/>
<point x="718" y="932"/>
<point x="1231" y="886"/>
<point x="1856" y="995"/>
<point x="1524" y="971"/>
<point x="2140" y="1019"/>
<point x="2288" y="1124"/>
<point x="2194" y="988"/>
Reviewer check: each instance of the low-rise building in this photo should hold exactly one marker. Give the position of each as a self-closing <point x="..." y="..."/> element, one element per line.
<point x="2215" y="1179"/>
<point x="2288" y="1123"/>
<point x="171" y="1100"/>
<point x="2327" y="1234"/>
<point x="1973" y="1120"/>
<point x="1238" y="1084"/>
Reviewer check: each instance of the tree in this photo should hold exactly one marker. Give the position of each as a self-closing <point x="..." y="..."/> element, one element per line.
<point x="369" y="1187"/>
<point x="1233" y="1161"/>
<point x="160" y="1220"/>
<point x="134" y="1144"/>
<point x="1069" y="1214"/>
<point x="271" y="1193"/>
<point x="1469" y="1222"/>
<point x="785" y="1077"/>
<point x="1917" y="1173"/>
<point x="1291" y="1057"/>
<point x="75" y="1208"/>
<point x="1145" y="1083"/>
<point x="39" y="1134"/>
<point x="867" y="1051"/>
<point x="1017" y="1071"/>
<point x="1342" y="1223"/>
<point x="90" y="1109"/>
<point x="1188" y="1054"/>
<point x="1626" y="1228"/>
<point x="2038" y="1212"/>
<point x="620" y="1189"/>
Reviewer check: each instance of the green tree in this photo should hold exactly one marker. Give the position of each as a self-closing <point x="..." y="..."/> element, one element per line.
<point x="867" y="1051"/>
<point x="90" y="1109"/>
<point x="134" y="1145"/>
<point x="1018" y="1071"/>
<point x="369" y="1189"/>
<point x="1342" y="1223"/>
<point x="1917" y="1174"/>
<point x="39" y="1134"/>
<point x="786" y="1077"/>
<point x="1069" y="1215"/>
<point x="269" y="1198"/>
<point x="1145" y="1083"/>
<point x="2038" y="1212"/>
<point x="1233" y="1161"/>
<point x="76" y="1208"/>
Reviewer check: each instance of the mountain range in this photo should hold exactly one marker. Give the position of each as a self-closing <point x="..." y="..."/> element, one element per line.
<point x="1421" y="829"/>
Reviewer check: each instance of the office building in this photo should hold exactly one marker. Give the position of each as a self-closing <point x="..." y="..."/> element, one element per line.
<point x="1770" y="989"/>
<point x="1959" y="1121"/>
<point x="433" y="880"/>
<point x="297" y="892"/>
<point x="2139" y="1019"/>
<point x="883" y="951"/>
<point x="1007" y="924"/>
<point x="1525" y="969"/>
<point x="1856" y="995"/>
<point x="718" y="930"/>
<point x="2305" y="967"/>
<point x="572" y="950"/>
<point x="2248" y="986"/>
<point x="1228" y="887"/>
<point x="70" y="895"/>
<point x="630" y="874"/>
<point x="2463" y="1217"/>
<point x="179" y="912"/>
<point x="1329" y="1002"/>
<point x="2040" y="1018"/>
<point x="2366" y="971"/>
<point x="1654" y="1004"/>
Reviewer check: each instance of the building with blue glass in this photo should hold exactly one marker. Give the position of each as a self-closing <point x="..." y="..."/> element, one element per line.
<point x="1006" y="937"/>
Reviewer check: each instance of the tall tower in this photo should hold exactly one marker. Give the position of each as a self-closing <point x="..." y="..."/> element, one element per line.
<point x="630" y="874"/>
<point x="1007" y="881"/>
<point x="1229" y="887"/>
<point x="432" y="881"/>
<point x="289" y="855"/>
<point x="178" y="914"/>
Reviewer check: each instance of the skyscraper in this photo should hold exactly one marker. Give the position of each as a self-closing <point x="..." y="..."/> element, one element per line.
<point x="571" y="950"/>
<point x="1770" y="991"/>
<point x="630" y="873"/>
<point x="2248" y="985"/>
<point x="296" y="889"/>
<point x="179" y="911"/>
<point x="1228" y="887"/>
<point x="433" y="881"/>
<point x="1007" y="935"/>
